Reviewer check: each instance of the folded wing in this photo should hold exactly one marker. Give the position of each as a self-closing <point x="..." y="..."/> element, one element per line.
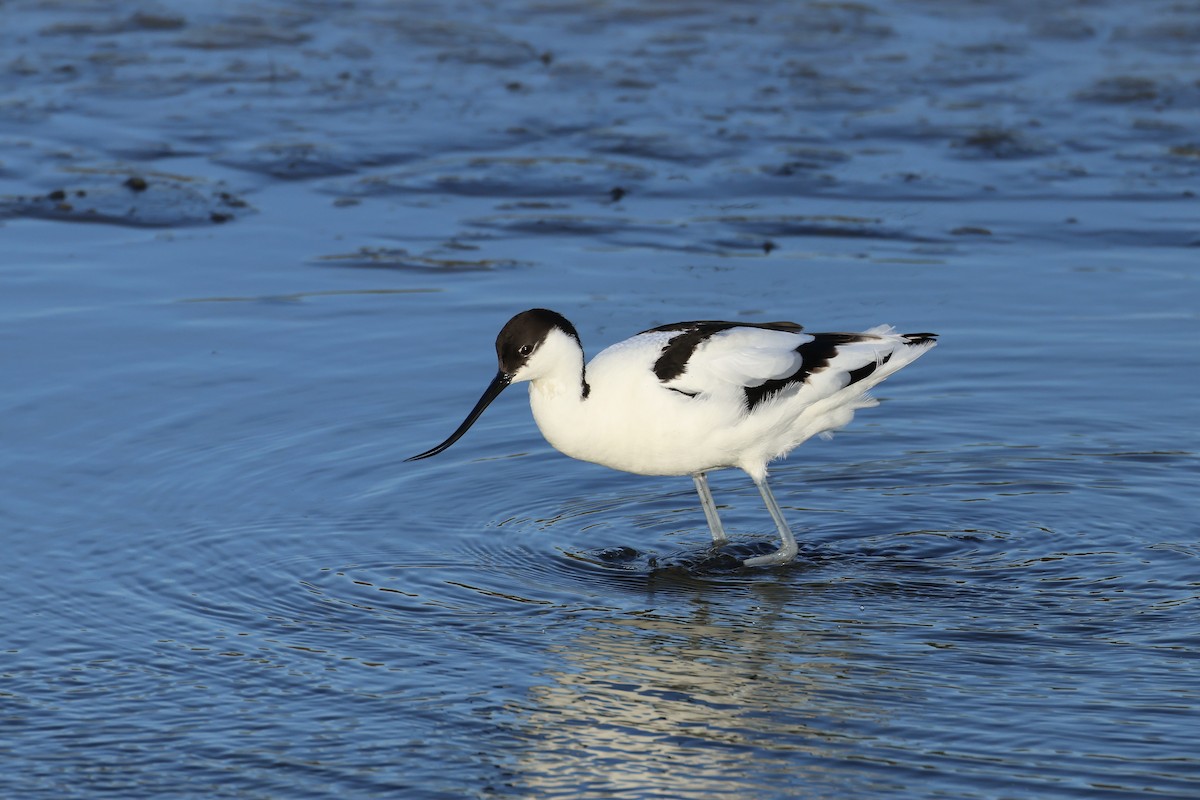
<point x="768" y="361"/>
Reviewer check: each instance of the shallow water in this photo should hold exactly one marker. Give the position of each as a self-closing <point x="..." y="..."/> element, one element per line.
<point x="255" y="256"/>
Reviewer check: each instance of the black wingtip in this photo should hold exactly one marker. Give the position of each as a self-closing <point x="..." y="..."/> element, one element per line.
<point x="920" y="338"/>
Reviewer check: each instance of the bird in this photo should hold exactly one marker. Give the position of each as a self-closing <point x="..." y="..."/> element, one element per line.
<point x="690" y="398"/>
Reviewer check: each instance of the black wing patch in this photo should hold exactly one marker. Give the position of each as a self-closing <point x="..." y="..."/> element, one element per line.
<point x="672" y="361"/>
<point x="857" y="375"/>
<point x="814" y="356"/>
<point x="817" y="354"/>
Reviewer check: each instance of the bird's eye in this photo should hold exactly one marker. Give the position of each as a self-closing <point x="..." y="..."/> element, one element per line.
<point x="526" y="349"/>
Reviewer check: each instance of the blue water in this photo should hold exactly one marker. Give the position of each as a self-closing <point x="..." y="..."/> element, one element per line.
<point x="222" y="580"/>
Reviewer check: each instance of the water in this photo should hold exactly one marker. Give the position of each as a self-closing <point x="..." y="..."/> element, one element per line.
<point x="255" y="255"/>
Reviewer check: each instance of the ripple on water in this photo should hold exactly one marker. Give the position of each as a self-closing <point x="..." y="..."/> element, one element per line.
<point x="501" y="176"/>
<point x="597" y="622"/>
<point x="302" y="159"/>
<point x="219" y="574"/>
<point x="397" y="258"/>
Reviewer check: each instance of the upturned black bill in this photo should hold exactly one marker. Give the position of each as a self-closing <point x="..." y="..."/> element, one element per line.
<point x="498" y="385"/>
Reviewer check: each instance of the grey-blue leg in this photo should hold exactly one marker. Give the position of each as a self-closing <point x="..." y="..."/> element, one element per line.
<point x="787" y="551"/>
<point x="710" y="508"/>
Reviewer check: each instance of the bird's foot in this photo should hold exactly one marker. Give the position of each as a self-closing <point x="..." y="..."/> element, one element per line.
<point x="781" y="556"/>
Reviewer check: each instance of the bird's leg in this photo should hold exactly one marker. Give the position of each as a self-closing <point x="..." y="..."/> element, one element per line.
<point x="788" y="549"/>
<point x="710" y="508"/>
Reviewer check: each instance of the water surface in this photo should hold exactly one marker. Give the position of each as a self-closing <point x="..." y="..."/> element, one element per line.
<point x="255" y="255"/>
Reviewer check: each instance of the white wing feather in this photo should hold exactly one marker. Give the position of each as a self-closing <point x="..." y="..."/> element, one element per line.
<point x="741" y="357"/>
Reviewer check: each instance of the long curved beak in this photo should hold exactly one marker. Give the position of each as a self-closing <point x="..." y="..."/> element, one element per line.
<point x="498" y="385"/>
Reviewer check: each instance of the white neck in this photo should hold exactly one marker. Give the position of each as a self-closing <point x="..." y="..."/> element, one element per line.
<point x="557" y="391"/>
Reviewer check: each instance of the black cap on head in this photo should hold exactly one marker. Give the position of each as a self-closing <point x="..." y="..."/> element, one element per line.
<point x="523" y="334"/>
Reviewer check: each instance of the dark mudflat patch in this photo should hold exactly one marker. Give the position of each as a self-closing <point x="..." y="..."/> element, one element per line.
<point x="301" y="160"/>
<point x="397" y="258"/>
<point x="501" y="176"/>
<point x="144" y="201"/>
